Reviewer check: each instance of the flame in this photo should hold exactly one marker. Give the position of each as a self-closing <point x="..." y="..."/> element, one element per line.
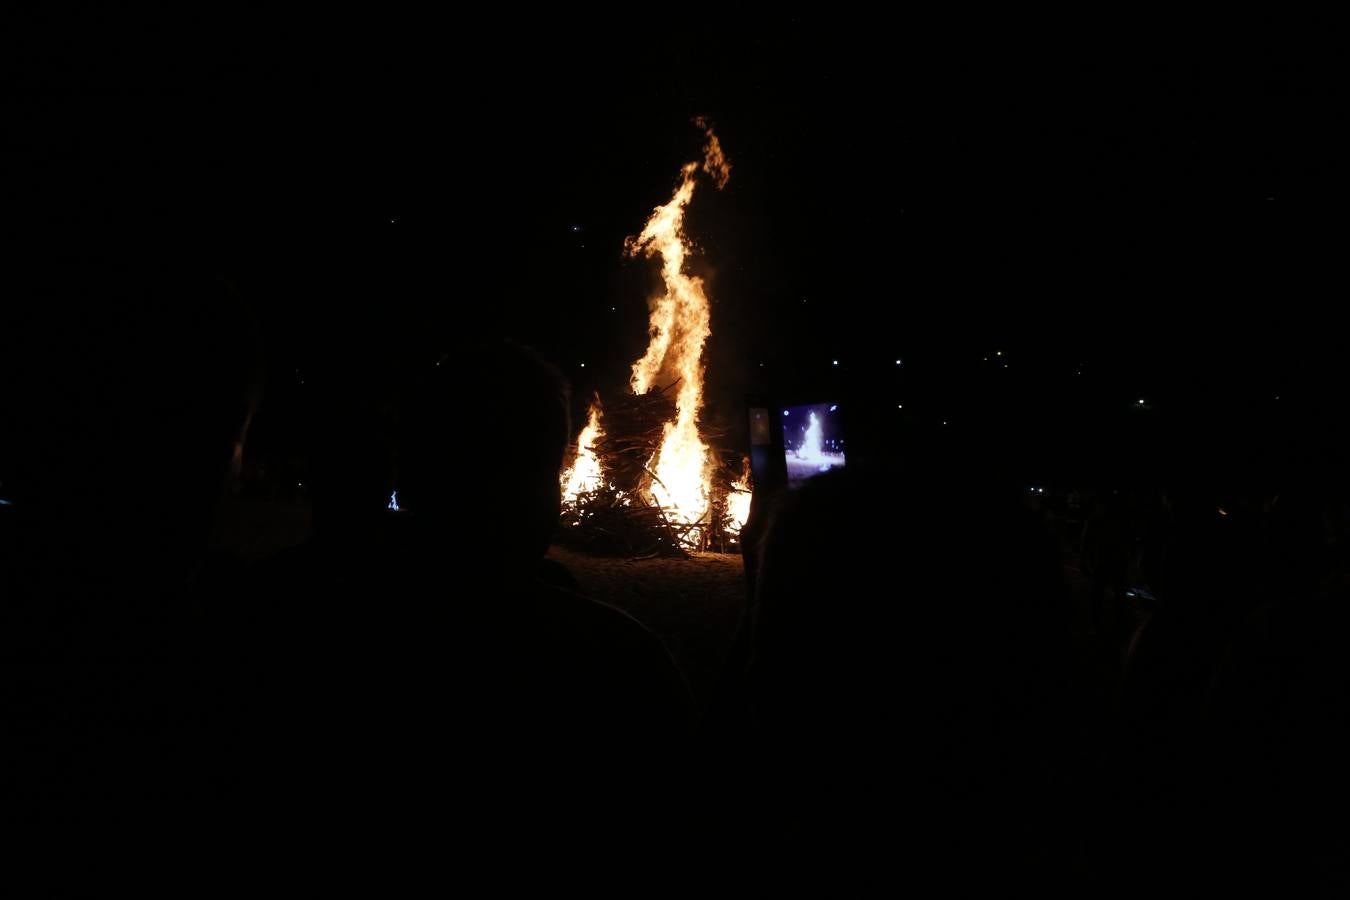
<point x="811" y="449"/>
<point x="738" y="499"/>
<point x="714" y="162"/>
<point x="679" y="326"/>
<point x="738" y="505"/>
<point x="584" y="474"/>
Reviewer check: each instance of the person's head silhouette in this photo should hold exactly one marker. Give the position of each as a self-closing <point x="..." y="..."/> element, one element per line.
<point x="483" y="443"/>
<point x="906" y="648"/>
<point x="129" y="386"/>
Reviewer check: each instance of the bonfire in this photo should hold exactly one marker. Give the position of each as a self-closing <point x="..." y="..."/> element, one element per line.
<point x="645" y="480"/>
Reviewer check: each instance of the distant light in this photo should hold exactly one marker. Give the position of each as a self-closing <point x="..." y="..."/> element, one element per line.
<point x="1277" y="396"/>
<point x="393" y="501"/>
<point x="998" y="352"/>
<point x="899" y="406"/>
<point x="576" y="227"/>
<point x="834" y="407"/>
<point x="899" y="362"/>
<point x="1223" y="512"/>
<point x="785" y="412"/>
<point x="393" y="221"/>
<point x="299" y="484"/>
<point x="4" y="502"/>
<point x="761" y="365"/>
<point x="583" y="365"/>
<point x="1141" y="401"/>
<point x="613" y="308"/>
<point x="836" y="362"/>
<point x="944" y="421"/>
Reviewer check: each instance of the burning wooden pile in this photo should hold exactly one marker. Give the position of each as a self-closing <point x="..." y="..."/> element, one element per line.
<point x="649" y="481"/>
<point x="608" y="500"/>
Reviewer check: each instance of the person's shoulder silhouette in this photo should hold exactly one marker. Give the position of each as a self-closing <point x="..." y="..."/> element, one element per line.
<point x="531" y="664"/>
<point x="909" y="652"/>
<point x="130" y="383"/>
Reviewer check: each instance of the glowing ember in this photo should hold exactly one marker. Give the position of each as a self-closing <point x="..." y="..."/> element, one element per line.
<point x="584" y="475"/>
<point x="679" y="327"/>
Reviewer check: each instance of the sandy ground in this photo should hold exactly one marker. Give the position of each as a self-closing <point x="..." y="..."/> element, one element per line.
<point x="693" y="605"/>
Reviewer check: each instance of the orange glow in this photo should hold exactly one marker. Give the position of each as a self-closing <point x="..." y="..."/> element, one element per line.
<point x="584" y="474"/>
<point x="679" y="327"/>
<point x="738" y="505"/>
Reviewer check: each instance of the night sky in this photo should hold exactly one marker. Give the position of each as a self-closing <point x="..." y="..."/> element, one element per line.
<point x="1118" y="226"/>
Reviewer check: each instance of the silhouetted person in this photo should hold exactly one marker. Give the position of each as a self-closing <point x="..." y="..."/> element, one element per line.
<point x="726" y="720"/>
<point x="1202" y="693"/>
<point x="128" y="388"/>
<point x="332" y="634"/>
<point x="1107" y="548"/>
<point x="1274" y="772"/>
<point x="569" y="717"/>
<point x="911" y="685"/>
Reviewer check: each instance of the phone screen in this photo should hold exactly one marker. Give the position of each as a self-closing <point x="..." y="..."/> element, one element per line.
<point x="813" y="440"/>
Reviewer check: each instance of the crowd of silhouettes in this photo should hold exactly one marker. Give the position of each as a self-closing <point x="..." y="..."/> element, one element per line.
<point x="913" y="695"/>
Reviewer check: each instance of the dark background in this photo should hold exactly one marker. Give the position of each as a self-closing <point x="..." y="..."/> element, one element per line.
<point x="1150" y="222"/>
